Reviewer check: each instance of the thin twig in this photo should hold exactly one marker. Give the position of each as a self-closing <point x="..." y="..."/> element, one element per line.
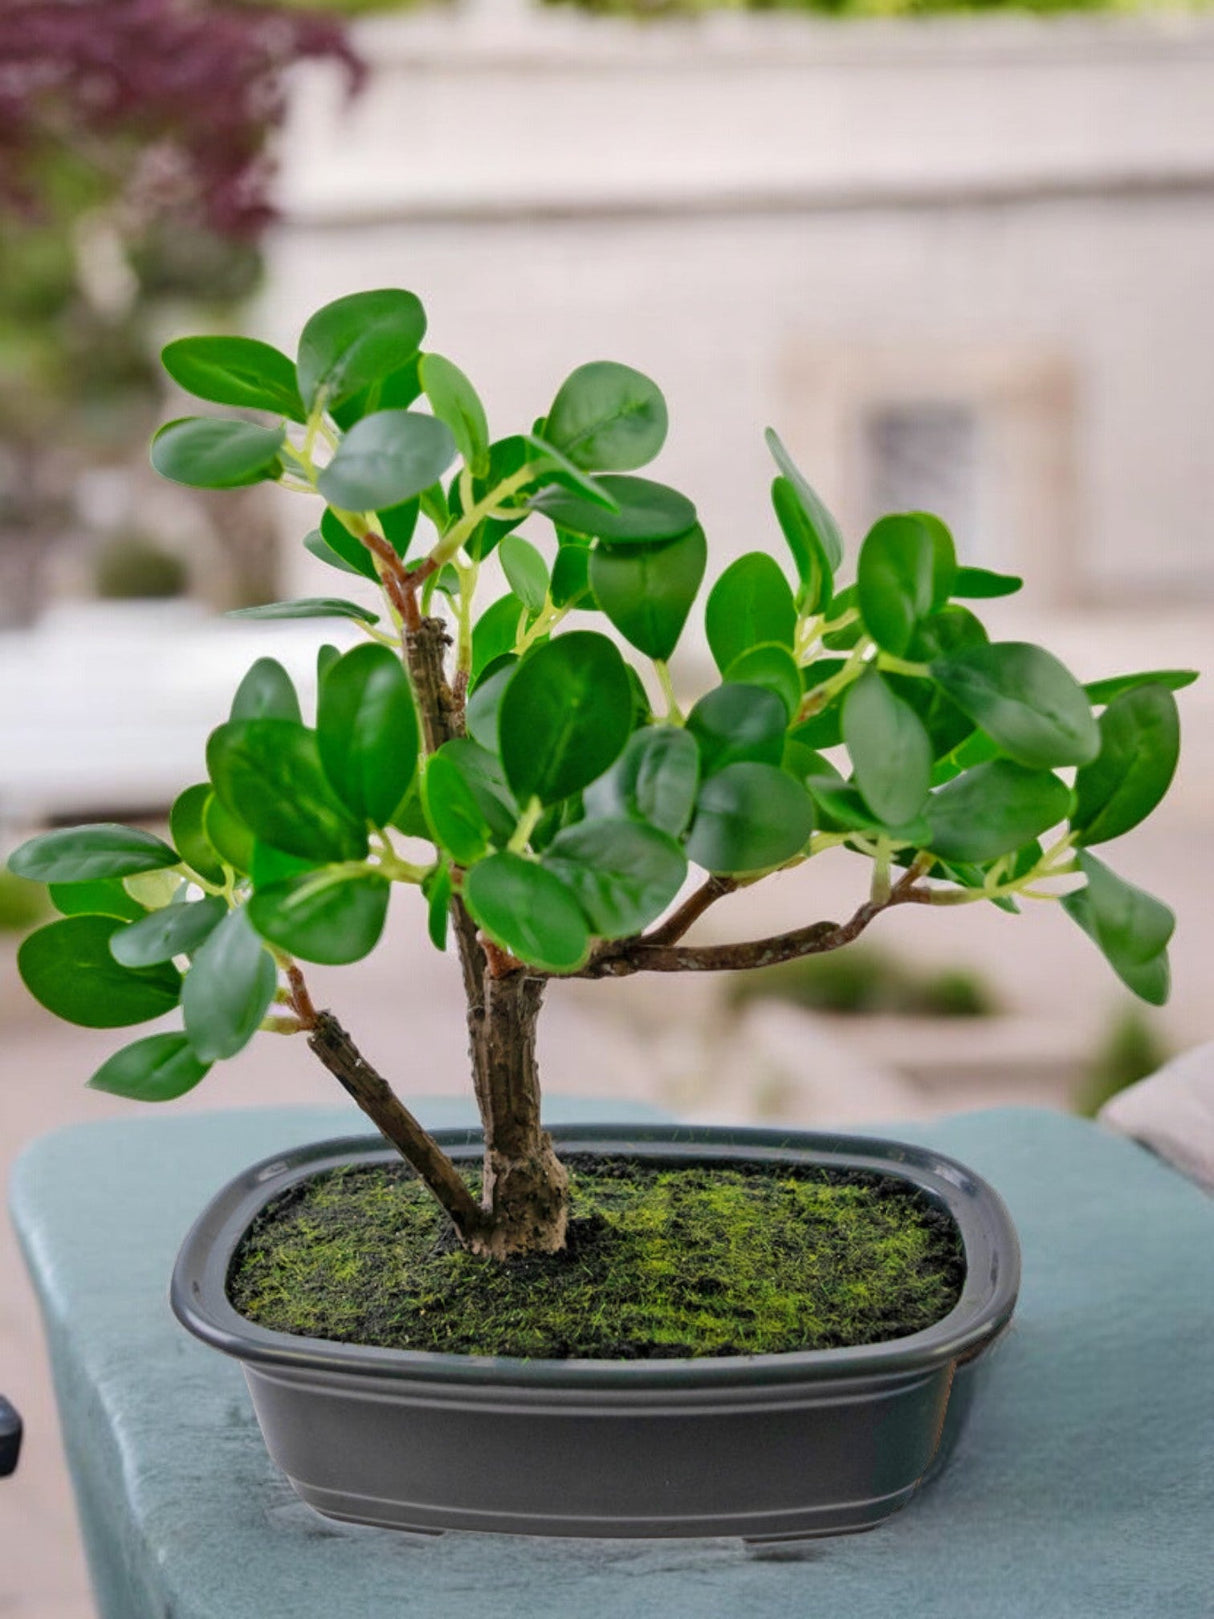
<point x="691" y="910"/>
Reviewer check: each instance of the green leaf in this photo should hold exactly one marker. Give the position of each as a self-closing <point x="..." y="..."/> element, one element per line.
<point x="624" y="873"/>
<point x="827" y="530"/>
<point x="749" y="817"/>
<point x="551" y="466"/>
<point x="269" y="865"/>
<point x="525" y="570"/>
<point x="842" y="808"/>
<point x="229" y="986"/>
<point x="346" y="546"/>
<point x="975" y="750"/>
<point x="646" y="514"/>
<point x="895" y="581"/>
<point x="993" y="809"/>
<point x="944" y="558"/>
<point x="437" y="889"/>
<point x="1130" y="927"/>
<point x="482" y="716"/>
<point x="733" y="724"/>
<point x="482" y="771"/>
<point x="813" y="569"/>
<point x="566" y="714"/>
<point x="357" y="341"/>
<point x="981" y="583"/>
<point x="495" y="632"/>
<point x="1139" y="748"/>
<point x="608" y="418"/>
<point x="227" y="834"/>
<point x="453" y="811"/>
<point x="396" y="391"/>
<point x="67" y="966"/>
<point x="106" y="897"/>
<point x="647" y="591"/>
<point x="528" y="911"/>
<point x="266" y="692"/>
<point x="176" y="930"/>
<point x="367" y="733"/>
<point x="507" y="457"/>
<point x="386" y="459"/>
<point x="82" y="854"/>
<point x="890" y="750"/>
<point x="773" y="667"/>
<point x="158" y="1068"/>
<point x="1104" y="691"/>
<point x="205" y="452"/>
<point x="326" y="656"/>
<point x="570" y="585"/>
<point x="751" y="602"/>
<point x="399" y="524"/>
<point x="1022" y="697"/>
<point x="328" y="916"/>
<point x="307" y="607"/>
<point x="319" y="547"/>
<point x="235" y="371"/>
<point x="269" y="774"/>
<point x="655" y="779"/>
<point x="455" y="401"/>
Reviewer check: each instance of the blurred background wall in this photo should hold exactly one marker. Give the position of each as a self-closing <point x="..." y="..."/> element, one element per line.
<point x="960" y="258"/>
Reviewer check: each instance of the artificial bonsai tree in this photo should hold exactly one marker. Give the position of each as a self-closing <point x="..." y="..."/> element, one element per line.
<point x="509" y="765"/>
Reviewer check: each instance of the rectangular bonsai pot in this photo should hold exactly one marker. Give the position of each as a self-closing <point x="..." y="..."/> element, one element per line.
<point x="772" y="1447"/>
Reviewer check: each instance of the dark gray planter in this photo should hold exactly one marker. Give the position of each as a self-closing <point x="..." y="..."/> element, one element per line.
<point x="768" y="1446"/>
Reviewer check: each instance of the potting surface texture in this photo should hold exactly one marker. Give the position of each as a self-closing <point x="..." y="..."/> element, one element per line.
<point x="1083" y="1486"/>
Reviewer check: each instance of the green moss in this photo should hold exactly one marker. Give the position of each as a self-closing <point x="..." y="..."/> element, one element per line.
<point x="662" y="1261"/>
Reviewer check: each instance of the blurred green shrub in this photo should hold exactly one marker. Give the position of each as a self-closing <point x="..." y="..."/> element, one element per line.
<point x="866" y="981"/>
<point x="1132" y="1047"/>
<point x="130" y="567"/>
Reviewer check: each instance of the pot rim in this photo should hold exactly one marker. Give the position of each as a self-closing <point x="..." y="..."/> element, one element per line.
<point x="198" y="1293"/>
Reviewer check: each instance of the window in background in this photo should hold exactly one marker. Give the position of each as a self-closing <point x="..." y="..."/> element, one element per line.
<point x="927" y="455"/>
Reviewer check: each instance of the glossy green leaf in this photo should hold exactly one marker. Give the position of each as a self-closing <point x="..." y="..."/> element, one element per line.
<point x="566" y="714"/>
<point x="608" y="418"/>
<point x="82" y="854"/>
<point x="526" y="571"/>
<point x="841" y="808"/>
<point x="357" y="341"/>
<point x="623" y="872"/>
<point x="316" y="545"/>
<point x="367" y="733"/>
<point x="455" y="401"/>
<point x="1139" y="749"/>
<point x="482" y="715"/>
<point x="205" y="452"/>
<point x="399" y="523"/>
<point x="981" y="583"/>
<point x="158" y="1068"/>
<point x="890" y="750"/>
<point x="269" y="865"/>
<point x="647" y="512"/>
<point x="1130" y="927"/>
<point x="453" y="811"/>
<point x="348" y="548"/>
<point x="266" y="692"/>
<point x="975" y="750"/>
<point x="307" y="607"/>
<point x="386" y="459"/>
<point x="552" y="466"/>
<point x="175" y="930"/>
<point x="993" y="809"/>
<point x="1104" y="691"/>
<point x="773" y="667"/>
<point x="733" y="724"/>
<point x="327" y="916"/>
<point x="895" y="581"/>
<point x="1022" y="697"/>
<point x="495" y="632"/>
<point x="507" y="458"/>
<point x="227" y="834"/>
<point x="749" y="817"/>
<point x="944" y="558"/>
<point x="647" y="591"/>
<point x="827" y="530"/>
<point x="813" y="569"/>
<point x="570" y="585"/>
<point x="269" y="774"/>
<point x="68" y="967"/>
<point x="528" y="911"/>
<point x="437" y="890"/>
<point x="106" y="897"/>
<point x="396" y="391"/>
<point x="228" y="988"/>
<point x="751" y="602"/>
<point x="235" y="371"/>
<point x="655" y="779"/>
<point x="482" y="771"/>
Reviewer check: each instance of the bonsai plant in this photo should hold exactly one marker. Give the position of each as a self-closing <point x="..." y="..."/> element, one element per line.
<point x="544" y="799"/>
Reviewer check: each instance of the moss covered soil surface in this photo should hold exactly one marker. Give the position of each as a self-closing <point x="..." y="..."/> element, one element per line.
<point x="663" y="1260"/>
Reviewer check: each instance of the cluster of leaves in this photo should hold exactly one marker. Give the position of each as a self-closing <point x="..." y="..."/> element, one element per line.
<point x="875" y="715"/>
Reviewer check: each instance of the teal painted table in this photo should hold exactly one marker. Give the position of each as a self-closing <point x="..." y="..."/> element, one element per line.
<point x="1084" y="1486"/>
